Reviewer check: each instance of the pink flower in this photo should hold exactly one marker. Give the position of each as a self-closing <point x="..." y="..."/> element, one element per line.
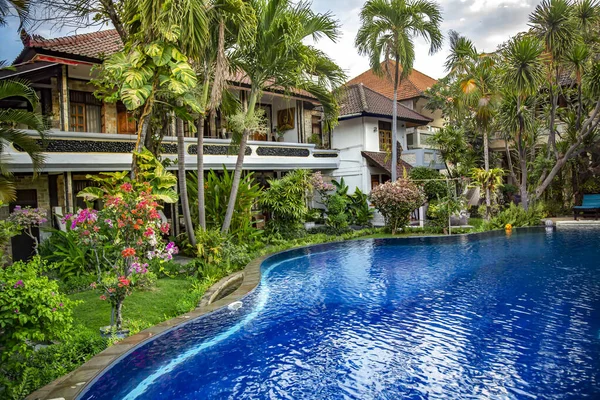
<point x="18" y="284"/>
<point x="103" y="297"/>
<point x="126" y="187"/>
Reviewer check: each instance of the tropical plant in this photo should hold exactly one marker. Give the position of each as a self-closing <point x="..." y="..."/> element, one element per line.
<point x="336" y="215"/>
<point x="20" y="7"/>
<point x="277" y="54"/>
<point x="153" y="66"/>
<point x="232" y="22"/>
<point x="217" y="189"/>
<point x="285" y="200"/>
<point x="125" y="234"/>
<point x="388" y="29"/>
<point x="396" y="200"/>
<point x="31" y="308"/>
<point x="150" y="171"/>
<point x="488" y="182"/>
<point x="434" y="184"/>
<point x="517" y="216"/>
<point x="358" y="208"/>
<point x="10" y="134"/>
<point x="66" y="254"/>
<point x="476" y="76"/>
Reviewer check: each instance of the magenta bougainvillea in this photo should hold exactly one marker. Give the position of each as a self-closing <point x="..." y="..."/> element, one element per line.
<point x="396" y="200"/>
<point x="127" y="233"/>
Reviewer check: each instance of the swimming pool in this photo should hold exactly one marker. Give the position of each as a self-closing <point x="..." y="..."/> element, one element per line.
<point x="481" y="317"/>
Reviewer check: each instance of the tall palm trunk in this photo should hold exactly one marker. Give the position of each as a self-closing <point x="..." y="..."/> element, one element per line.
<point x="200" y="162"/>
<point x="394" y="124"/>
<point x="185" y="204"/>
<point x="486" y="164"/>
<point x="237" y="175"/>
<point x="522" y="159"/>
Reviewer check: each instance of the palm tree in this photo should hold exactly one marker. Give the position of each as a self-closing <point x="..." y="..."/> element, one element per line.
<point x="476" y="76"/>
<point x="522" y="74"/>
<point x="10" y="133"/>
<point x="20" y="7"/>
<point x="278" y="56"/>
<point x="232" y="22"/>
<point x="388" y="28"/>
<point x="554" y="24"/>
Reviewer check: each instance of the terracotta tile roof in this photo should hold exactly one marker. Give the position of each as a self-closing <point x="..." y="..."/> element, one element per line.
<point x="92" y="45"/>
<point x="379" y="159"/>
<point x="412" y="86"/>
<point x="358" y="99"/>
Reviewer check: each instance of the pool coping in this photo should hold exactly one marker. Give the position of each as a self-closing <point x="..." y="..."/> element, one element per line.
<point x="71" y="385"/>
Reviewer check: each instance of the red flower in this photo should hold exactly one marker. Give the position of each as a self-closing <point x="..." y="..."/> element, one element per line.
<point x="149" y="232"/>
<point x="164" y="228"/>
<point x="136" y="227"/>
<point x="103" y="297"/>
<point x="124" y="281"/>
<point x="139" y="222"/>
<point x="126" y="187"/>
<point x="128" y="252"/>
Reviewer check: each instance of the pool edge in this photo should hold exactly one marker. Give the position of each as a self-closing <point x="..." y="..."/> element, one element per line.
<point x="73" y="384"/>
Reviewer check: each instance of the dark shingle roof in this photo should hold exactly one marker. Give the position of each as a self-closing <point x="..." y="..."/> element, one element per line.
<point x="360" y="100"/>
<point x="92" y="45"/>
<point x="379" y="159"/>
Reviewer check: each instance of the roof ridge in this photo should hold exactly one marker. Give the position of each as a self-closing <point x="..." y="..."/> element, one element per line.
<point x="363" y="98"/>
<point x="71" y="38"/>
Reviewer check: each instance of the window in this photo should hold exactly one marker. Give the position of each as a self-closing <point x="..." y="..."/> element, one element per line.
<point x="85" y="112"/>
<point x="385" y="136"/>
<point x="125" y="122"/>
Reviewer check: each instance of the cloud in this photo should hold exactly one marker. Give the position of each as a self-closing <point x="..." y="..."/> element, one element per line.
<point x="487" y="22"/>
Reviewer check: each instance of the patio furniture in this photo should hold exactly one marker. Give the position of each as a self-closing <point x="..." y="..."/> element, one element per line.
<point x="590" y="205"/>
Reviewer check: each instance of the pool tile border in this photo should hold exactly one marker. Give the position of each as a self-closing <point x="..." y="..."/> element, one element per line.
<point x="71" y="385"/>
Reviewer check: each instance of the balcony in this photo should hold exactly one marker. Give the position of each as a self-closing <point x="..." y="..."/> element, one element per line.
<point x="90" y="152"/>
<point x="423" y="158"/>
<point x="417" y="138"/>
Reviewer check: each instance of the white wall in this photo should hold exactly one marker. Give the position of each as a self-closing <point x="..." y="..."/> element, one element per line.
<point x="351" y="137"/>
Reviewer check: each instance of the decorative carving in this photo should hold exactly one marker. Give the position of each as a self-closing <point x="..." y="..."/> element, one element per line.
<point x="325" y="155"/>
<point x="282" y="151"/>
<point x="93" y="146"/>
<point x="217" y="150"/>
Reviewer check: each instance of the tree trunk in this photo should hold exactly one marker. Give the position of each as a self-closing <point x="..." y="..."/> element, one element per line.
<point x="394" y="124"/>
<point x="486" y="164"/>
<point x="119" y="314"/>
<point x="110" y="9"/>
<point x="522" y="158"/>
<point x="200" y="162"/>
<point x="237" y="175"/>
<point x="185" y="204"/>
<point x="142" y="132"/>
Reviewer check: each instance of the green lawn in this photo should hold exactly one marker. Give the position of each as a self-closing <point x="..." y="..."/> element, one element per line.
<point x="141" y="310"/>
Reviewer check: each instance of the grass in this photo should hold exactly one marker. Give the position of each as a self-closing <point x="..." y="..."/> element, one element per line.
<point x="140" y="310"/>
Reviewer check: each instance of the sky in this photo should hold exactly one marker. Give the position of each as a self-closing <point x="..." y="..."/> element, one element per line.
<point x="487" y="23"/>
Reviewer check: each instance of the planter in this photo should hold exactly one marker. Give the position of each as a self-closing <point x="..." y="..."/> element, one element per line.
<point x="110" y="332"/>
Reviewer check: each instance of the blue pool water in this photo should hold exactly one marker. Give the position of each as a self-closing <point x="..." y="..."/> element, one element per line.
<point x="497" y="317"/>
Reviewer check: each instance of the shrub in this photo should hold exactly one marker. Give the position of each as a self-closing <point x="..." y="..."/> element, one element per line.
<point x="435" y="188"/>
<point x="396" y="200"/>
<point x="358" y="208"/>
<point x="21" y="375"/>
<point x="126" y="234"/>
<point x="67" y="255"/>
<point x="336" y="212"/>
<point x="516" y="216"/>
<point x="286" y="200"/>
<point x="32" y="309"/>
<point x="75" y="284"/>
<point x="217" y="188"/>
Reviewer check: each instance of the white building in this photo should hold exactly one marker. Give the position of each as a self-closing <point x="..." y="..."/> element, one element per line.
<point x="364" y="138"/>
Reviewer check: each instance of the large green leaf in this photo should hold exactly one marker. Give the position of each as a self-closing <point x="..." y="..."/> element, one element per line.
<point x="166" y="195"/>
<point x="91" y="193"/>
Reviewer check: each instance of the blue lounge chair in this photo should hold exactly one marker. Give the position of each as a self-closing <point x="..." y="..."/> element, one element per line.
<point x="590" y="205"/>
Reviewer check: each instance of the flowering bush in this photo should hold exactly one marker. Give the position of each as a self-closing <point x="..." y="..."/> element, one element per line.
<point x="126" y="235"/>
<point x="31" y="308"/>
<point x="26" y="219"/>
<point x="396" y="200"/>
<point x="317" y="182"/>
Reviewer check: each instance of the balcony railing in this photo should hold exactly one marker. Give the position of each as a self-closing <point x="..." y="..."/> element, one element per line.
<point x="417" y="138"/>
<point x="74" y="151"/>
<point x="423" y="158"/>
